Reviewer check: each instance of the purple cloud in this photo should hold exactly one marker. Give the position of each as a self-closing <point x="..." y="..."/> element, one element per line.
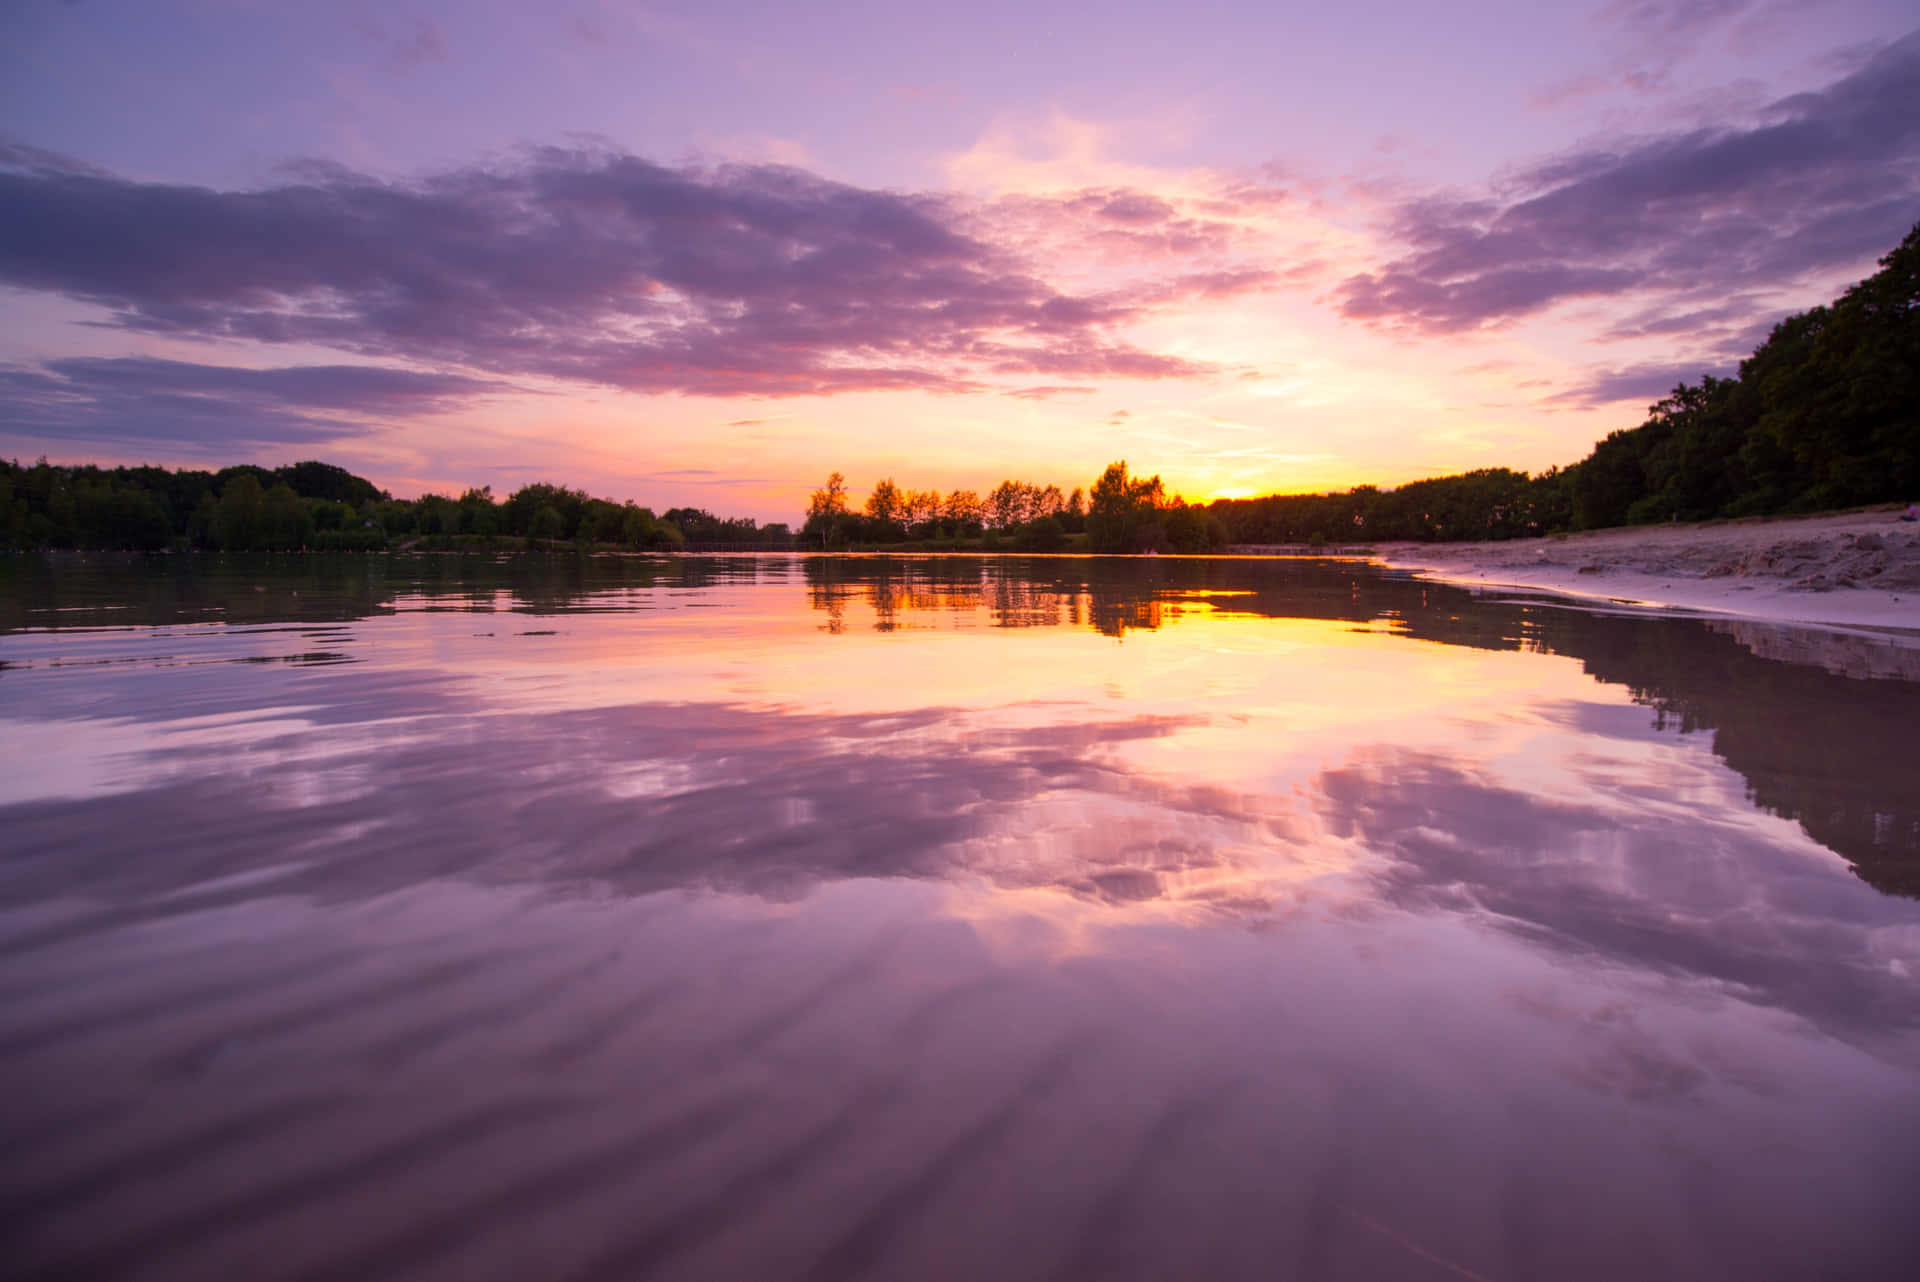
<point x="587" y="265"/>
<point x="1668" y="18"/>
<point x="1822" y="181"/>
<point x="1642" y="383"/>
<point x="215" y="407"/>
<point x="403" y="53"/>
<point x="1123" y="223"/>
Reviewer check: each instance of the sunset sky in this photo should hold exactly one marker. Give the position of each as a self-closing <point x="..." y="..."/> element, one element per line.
<point x="704" y="253"/>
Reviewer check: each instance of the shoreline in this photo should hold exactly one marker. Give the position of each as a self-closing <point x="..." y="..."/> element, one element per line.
<point x="1858" y="570"/>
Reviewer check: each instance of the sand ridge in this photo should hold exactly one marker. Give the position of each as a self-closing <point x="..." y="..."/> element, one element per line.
<point x="1858" y="569"/>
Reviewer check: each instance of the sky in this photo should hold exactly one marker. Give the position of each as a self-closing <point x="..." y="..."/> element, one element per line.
<point x="704" y="253"/>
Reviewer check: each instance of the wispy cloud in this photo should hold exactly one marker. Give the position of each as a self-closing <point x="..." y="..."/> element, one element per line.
<point x="1643" y="384"/>
<point x="1123" y="224"/>
<point x="1047" y="391"/>
<point x="1670" y="18"/>
<point x="215" y="407"/>
<point x="419" y="42"/>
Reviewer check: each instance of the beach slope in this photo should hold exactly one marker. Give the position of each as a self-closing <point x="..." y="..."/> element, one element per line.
<point x="1857" y="569"/>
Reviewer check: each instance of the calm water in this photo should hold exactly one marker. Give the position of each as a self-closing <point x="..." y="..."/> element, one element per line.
<point x="943" y="919"/>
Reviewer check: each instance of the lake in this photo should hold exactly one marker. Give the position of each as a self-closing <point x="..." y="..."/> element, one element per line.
<point x="943" y="918"/>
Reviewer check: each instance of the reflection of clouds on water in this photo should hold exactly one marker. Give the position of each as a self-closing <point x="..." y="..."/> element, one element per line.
<point x="645" y="798"/>
<point x="640" y="799"/>
<point x="1686" y="896"/>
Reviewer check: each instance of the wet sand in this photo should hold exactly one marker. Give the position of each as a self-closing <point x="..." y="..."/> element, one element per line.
<point x="1859" y="569"/>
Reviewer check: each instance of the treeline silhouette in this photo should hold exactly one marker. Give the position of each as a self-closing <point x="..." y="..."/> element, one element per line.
<point x="1122" y="513"/>
<point x="325" y="508"/>
<point x="1824" y="414"/>
<point x="1032" y="518"/>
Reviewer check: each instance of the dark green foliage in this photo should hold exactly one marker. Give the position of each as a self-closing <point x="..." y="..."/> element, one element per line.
<point x="363" y="539"/>
<point x="1043" y="535"/>
<point x="228" y="475"/>
<point x="540" y="511"/>
<point x="697" y="525"/>
<point x="478" y="513"/>
<point x="547" y="523"/>
<point x="1492" y="503"/>
<point x="249" y="519"/>
<point x="150" y="508"/>
<point x="1192" y="530"/>
<point x="1824" y="414"/>
<point x="311" y="480"/>
<point x="315" y="506"/>
<point x="436" y="514"/>
<point x="107" y="515"/>
<point x="1123" y="512"/>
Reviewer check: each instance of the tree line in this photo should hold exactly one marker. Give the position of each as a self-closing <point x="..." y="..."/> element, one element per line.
<point x="319" y="506"/>
<point x="1031" y="517"/>
<point x="1119" y="513"/>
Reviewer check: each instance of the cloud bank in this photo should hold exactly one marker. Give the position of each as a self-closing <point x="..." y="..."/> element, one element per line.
<point x="588" y="265"/>
<point x="1819" y="182"/>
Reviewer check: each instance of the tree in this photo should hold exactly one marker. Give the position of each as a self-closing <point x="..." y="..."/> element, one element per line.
<point x="522" y="509"/>
<point x="964" y="509"/>
<point x="922" y="507"/>
<point x="1045" y="534"/>
<point x="885" y="503"/>
<point x="239" y="523"/>
<point x="601" y="522"/>
<point x="636" y="527"/>
<point x="831" y="499"/>
<point x="117" y="516"/>
<point x="1010" y="504"/>
<point x="478" y="513"/>
<point x="288" y="522"/>
<point x="1186" y="528"/>
<point x="1122" y="512"/>
<point x="311" y="480"/>
<point x="825" y="512"/>
<point x="1073" y="518"/>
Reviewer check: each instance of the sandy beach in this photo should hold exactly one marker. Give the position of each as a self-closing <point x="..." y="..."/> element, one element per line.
<point x="1852" y="570"/>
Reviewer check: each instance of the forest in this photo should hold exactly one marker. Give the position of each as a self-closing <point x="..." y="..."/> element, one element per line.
<point x="1824" y="414"/>
<point x="325" y="508"/>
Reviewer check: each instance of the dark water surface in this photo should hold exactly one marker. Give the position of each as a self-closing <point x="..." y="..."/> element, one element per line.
<point x="769" y="918"/>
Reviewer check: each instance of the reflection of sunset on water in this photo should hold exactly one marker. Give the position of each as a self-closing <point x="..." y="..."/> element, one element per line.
<point x="757" y="890"/>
